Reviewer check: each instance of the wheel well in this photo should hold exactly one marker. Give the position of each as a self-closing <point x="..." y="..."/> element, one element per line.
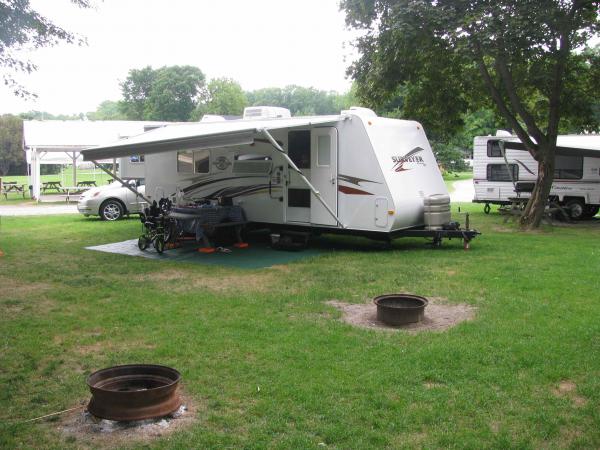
<point x="118" y="200"/>
<point x="568" y="199"/>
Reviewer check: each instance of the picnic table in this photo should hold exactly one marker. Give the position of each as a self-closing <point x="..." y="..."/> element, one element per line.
<point x="12" y="186"/>
<point x="517" y="205"/>
<point x="51" y="185"/>
<point x="86" y="184"/>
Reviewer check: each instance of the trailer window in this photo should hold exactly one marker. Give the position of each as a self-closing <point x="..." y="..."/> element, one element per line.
<point x="251" y="157"/>
<point x="252" y="163"/>
<point x="299" y="198"/>
<point x="185" y="162"/>
<point x="299" y="148"/>
<point x="499" y="172"/>
<point x="568" y="167"/>
<point x="136" y="159"/>
<point x="493" y="149"/>
<point x="323" y="151"/>
<point x="202" y="161"/>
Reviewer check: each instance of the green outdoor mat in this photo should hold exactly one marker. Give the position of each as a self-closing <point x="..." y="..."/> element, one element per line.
<point x="256" y="256"/>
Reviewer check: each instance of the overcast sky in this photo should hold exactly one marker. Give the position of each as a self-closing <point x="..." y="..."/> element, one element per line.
<point x="260" y="43"/>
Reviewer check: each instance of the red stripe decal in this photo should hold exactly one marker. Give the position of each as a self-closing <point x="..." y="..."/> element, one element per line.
<point x="352" y="191"/>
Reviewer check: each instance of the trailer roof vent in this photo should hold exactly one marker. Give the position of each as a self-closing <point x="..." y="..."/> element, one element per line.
<point x="359" y="111"/>
<point x="266" y="112"/>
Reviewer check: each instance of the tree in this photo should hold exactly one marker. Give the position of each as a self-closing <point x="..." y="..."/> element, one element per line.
<point x="23" y="29"/>
<point x="136" y="90"/>
<point x="167" y="93"/>
<point x="222" y="96"/>
<point x="107" y="110"/>
<point x="523" y="57"/>
<point x="302" y="101"/>
<point x="11" y="142"/>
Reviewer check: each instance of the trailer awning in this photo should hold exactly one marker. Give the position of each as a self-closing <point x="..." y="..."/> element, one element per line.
<point x="199" y="136"/>
<point x="580" y="145"/>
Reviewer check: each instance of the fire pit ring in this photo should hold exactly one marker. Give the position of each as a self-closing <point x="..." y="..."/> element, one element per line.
<point x="400" y="309"/>
<point x="134" y="392"/>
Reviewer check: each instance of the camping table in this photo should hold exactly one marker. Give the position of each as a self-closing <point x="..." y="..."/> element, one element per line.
<point x="73" y="190"/>
<point x="9" y="187"/>
<point x="88" y="184"/>
<point x="517" y="206"/>
<point x="54" y="185"/>
<point x="202" y="219"/>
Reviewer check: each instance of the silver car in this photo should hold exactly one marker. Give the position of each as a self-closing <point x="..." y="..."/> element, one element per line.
<point x="113" y="201"/>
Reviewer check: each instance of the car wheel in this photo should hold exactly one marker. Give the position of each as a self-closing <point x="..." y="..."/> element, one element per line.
<point x="576" y="209"/>
<point x="111" y="210"/>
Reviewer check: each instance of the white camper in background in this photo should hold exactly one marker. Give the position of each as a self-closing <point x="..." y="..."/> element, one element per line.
<point x="498" y="176"/>
<point x="352" y="173"/>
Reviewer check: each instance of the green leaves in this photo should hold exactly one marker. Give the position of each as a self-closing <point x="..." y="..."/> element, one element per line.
<point x="168" y="93"/>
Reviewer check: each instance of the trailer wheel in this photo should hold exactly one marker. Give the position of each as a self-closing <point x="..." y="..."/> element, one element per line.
<point x="576" y="209"/>
<point x="486" y="208"/>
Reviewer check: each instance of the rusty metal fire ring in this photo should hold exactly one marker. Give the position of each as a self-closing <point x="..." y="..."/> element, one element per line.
<point x="400" y="309"/>
<point x="134" y="392"/>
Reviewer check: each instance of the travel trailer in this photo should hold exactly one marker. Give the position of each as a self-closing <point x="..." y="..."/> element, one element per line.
<point x="503" y="170"/>
<point x="353" y="173"/>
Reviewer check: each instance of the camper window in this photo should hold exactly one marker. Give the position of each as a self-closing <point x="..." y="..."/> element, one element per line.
<point x="135" y="159"/>
<point x="568" y="167"/>
<point x="493" y="149"/>
<point x="252" y="163"/>
<point x="202" y="161"/>
<point x="499" y="172"/>
<point x="251" y="157"/>
<point x="299" y="148"/>
<point x="323" y="151"/>
<point x="185" y="162"/>
<point x="299" y="198"/>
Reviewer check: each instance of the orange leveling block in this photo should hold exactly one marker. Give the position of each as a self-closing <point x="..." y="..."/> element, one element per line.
<point x="241" y="245"/>
<point x="207" y="249"/>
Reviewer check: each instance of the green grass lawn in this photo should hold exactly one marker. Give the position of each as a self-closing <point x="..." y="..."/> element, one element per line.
<point x="65" y="177"/>
<point x="268" y="364"/>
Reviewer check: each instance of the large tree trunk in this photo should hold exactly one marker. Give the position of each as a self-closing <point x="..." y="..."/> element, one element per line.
<point x="534" y="211"/>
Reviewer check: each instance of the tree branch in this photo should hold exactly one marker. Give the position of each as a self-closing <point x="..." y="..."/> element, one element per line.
<point x="497" y="97"/>
<point x="517" y="105"/>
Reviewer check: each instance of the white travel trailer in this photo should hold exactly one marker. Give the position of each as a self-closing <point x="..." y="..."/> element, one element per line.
<point x="499" y="176"/>
<point x="352" y="173"/>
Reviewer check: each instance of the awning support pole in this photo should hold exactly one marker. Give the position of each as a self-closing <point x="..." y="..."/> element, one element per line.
<point x="125" y="184"/>
<point x="299" y="172"/>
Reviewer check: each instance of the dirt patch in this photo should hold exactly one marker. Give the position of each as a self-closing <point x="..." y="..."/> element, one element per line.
<point x="101" y="347"/>
<point x="568" y="389"/>
<point x="439" y="316"/>
<point x="92" y="432"/>
<point x="17" y="297"/>
<point x="16" y="289"/>
<point x="182" y="281"/>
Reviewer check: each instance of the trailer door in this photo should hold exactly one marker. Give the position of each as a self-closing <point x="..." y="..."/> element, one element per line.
<point x="323" y="174"/>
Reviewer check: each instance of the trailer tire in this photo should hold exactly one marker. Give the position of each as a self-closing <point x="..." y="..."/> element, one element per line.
<point x="575" y="208"/>
<point x="486" y="208"/>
